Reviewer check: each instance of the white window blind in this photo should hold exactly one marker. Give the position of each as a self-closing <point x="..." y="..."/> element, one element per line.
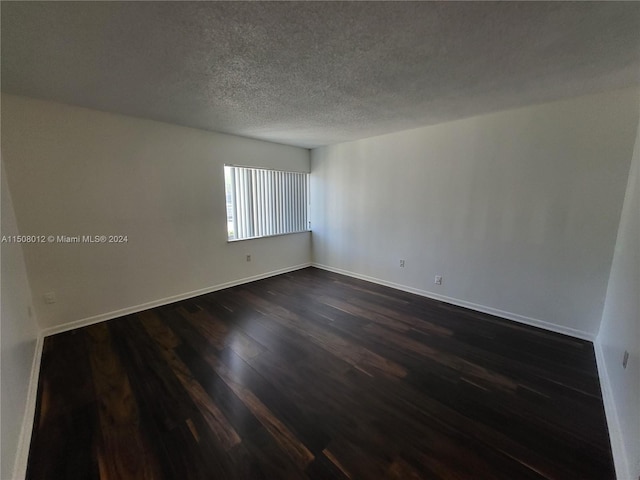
<point x="262" y="202"/>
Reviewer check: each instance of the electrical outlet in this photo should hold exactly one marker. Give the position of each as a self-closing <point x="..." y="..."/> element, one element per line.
<point x="248" y="258"/>
<point x="625" y="359"/>
<point x="50" y="297"/>
<point x="402" y="263"/>
<point x="438" y="280"/>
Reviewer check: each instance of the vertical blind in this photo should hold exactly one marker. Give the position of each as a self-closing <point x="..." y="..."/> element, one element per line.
<point x="263" y="202"/>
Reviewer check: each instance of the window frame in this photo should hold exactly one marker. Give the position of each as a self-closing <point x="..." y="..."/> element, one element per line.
<point x="234" y="202"/>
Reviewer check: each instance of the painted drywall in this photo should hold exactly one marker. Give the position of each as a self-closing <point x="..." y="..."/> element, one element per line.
<point x="76" y="171"/>
<point x="19" y="337"/>
<point x="620" y="331"/>
<point x="517" y="210"/>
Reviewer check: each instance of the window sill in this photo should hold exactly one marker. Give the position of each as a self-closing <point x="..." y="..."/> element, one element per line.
<point x="267" y="236"/>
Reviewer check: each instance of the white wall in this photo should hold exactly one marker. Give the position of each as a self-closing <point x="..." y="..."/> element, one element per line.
<point x="18" y="340"/>
<point x="76" y="171"/>
<point x="620" y="331"/>
<point x="517" y="210"/>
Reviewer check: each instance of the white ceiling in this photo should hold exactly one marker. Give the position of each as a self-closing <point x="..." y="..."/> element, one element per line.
<point x="315" y="73"/>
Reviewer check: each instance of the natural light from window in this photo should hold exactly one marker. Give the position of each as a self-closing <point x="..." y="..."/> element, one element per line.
<point x="262" y="202"/>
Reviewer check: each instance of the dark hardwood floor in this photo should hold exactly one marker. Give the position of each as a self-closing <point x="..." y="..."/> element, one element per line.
<point x="320" y="376"/>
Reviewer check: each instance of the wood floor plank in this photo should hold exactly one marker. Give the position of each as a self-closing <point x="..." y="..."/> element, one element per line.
<point x="287" y="440"/>
<point x="361" y="358"/>
<point x="184" y="446"/>
<point x="272" y="459"/>
<point x="218" y="424"/>
<point x="276" y="412"/>
<point x="314" y="375"/>
<point x="124" y="452"/>
<point x="66" y="419"/>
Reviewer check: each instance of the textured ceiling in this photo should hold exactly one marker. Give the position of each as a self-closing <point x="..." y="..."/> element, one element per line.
<point x="315" y="73"/>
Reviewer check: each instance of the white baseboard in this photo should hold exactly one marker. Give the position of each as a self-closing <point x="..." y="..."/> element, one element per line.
<point x="24" y="442"/>
<point x="463" y="303"/>
<point x="164" y="301"/>
<point x="623" y="470"/>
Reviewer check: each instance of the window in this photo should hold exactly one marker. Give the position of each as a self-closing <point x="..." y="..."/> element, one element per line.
<point x="262" y="202"/>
